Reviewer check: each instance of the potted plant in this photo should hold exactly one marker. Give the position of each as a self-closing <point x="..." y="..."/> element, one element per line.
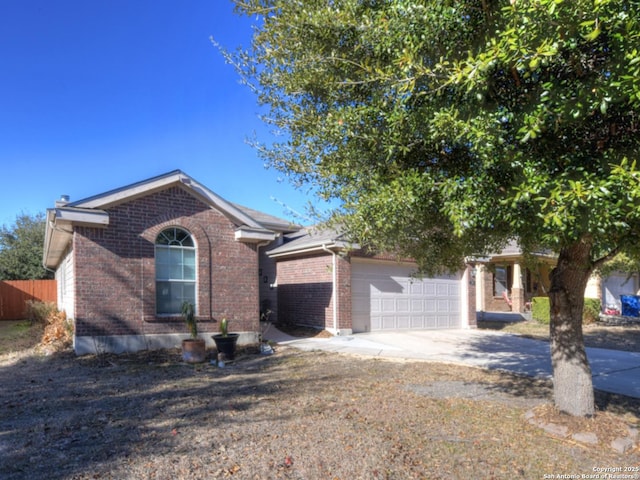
<point x="225" y="341"/>
<point x="193" y="349"/>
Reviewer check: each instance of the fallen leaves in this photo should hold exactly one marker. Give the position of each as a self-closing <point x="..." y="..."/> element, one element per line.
<point x="301" y="415"/>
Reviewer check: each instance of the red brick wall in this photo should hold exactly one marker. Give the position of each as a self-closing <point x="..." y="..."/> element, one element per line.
<point x="305" y="287"/>
<point x="491" y="303"/>
<point x="344" y="292"/>
<point x="305" y="291"/>
<point x="115" y="268"/>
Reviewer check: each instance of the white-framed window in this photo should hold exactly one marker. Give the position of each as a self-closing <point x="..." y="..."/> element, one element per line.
<point x="175" y="270"/>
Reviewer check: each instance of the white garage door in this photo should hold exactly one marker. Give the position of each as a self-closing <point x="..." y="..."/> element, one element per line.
<point x="617" y="285"/>
<point x="385" y="297"/>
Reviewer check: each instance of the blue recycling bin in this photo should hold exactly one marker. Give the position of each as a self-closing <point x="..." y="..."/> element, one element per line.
<point x="630" y="305"/>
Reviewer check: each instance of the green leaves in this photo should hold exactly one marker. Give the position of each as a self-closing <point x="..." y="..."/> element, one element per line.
<point x="456" y="123"/>
<point x="21" y="246"/>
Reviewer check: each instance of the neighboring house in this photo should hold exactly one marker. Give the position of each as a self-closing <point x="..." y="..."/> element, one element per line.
<point x="611" y="288"/>
<point x="504" y="283"/>
<point x="125" y="260"/>
<point x="503" y="276"/>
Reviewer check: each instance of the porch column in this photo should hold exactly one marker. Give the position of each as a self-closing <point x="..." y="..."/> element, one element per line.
<point x="517" y="290"/>
<point x="594" y="287"/>
<point x="480" y="288"/>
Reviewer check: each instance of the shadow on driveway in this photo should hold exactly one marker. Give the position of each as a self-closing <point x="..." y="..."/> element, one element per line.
<point x="613" y="371"/>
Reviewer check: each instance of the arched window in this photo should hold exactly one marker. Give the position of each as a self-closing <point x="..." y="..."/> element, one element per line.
<point x="175" y="271"/>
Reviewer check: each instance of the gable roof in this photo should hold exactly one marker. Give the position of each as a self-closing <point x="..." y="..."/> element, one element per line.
<point x="251" y="226"/>
<point x="311" y="239"/>
<point x="512" y="252"/>
<point x="269" y="221"/>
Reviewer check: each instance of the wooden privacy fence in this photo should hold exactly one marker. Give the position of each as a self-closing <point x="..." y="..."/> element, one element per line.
<point x="15" y="293"/>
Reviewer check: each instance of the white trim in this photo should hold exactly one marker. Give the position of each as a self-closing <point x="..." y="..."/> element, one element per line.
<point x="127" y="193"/>
<point x="464" y="297"/>
<point x="314" y="249"/>
<point x="59" y="230"/>
<point x="156" y="184"/>
<point x="251" y="235"/>
<point x="92" y="218"/>
<point x="480" y="289"/>
<point x="334" y="289"/>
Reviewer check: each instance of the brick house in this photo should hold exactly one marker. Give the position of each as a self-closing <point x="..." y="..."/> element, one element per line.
<point x="508" y="275"/>
<point x="125" y="260"/>
<point x="326" y="282"/>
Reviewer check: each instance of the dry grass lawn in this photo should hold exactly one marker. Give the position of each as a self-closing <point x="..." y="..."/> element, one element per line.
<point x="292" y="415"/>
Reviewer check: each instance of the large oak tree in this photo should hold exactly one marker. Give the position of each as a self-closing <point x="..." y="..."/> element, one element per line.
<point x="445" y="128"/>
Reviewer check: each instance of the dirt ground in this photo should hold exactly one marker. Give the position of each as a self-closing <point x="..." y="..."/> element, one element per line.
<point x="294" y="415"/>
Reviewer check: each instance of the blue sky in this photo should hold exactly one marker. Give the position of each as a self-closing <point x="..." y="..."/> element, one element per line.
<point x="98" y="94"/>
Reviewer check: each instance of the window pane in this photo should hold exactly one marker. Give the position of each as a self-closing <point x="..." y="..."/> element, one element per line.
<point x="162" y="272"/>
<point x="176" y="272"/>
<point x="162" y="239"/>
<point x="175" y="256"/>
<point x="500" y="281"/>
<point x="171" y="295"/>
<point x="188" y="242"/>
<point x="163" y="297"/>
<point x="189" y="293"/>
<point x="181" y="236"/>
<point x="189" y="259"/>
<point x="175" y="263"/>
<point x="162" y="255"/>
<point x="162" y="263"/>
<point x="189" y="273"/>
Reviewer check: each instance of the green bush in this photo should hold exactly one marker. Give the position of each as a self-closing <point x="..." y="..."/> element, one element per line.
<point x="40" y="312"/>
<point x="591" y="311"/>
<point x="540" y="310"/>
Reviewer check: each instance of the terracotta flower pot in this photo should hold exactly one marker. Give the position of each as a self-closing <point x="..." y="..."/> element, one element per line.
<point x="194" y="350"/>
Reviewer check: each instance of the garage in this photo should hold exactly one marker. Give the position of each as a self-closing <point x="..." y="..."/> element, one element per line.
<point x="386" y="297"/>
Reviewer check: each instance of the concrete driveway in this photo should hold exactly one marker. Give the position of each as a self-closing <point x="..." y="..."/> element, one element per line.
<point x="613" y="371"/>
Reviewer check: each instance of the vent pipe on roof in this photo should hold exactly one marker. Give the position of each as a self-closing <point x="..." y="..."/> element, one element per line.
<point x="64" y="199"/>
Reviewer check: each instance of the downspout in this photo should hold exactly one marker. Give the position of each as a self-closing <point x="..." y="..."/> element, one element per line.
<point x="334" y="288"/>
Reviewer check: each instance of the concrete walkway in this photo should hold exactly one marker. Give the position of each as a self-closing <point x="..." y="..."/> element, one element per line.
<point x="613" y="371"/>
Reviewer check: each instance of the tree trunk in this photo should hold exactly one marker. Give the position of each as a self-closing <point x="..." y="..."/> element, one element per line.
<point x="572" y="383"/>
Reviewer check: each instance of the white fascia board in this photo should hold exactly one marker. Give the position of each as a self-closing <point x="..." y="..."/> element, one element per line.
<point x="89" y="218"/>
<point x="334" y="246"/>
<point x="251" y="235"/>
<point x="160" y="183"/>
<point x="59" y="230"/>
<point x="119" y="195"/>
<point x="48" y="239"/>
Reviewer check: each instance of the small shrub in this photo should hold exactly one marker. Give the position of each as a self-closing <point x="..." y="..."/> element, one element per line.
<point x="591" y="312"/>
<point x="39" y="312"/>
<point x="540" y="310"/>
